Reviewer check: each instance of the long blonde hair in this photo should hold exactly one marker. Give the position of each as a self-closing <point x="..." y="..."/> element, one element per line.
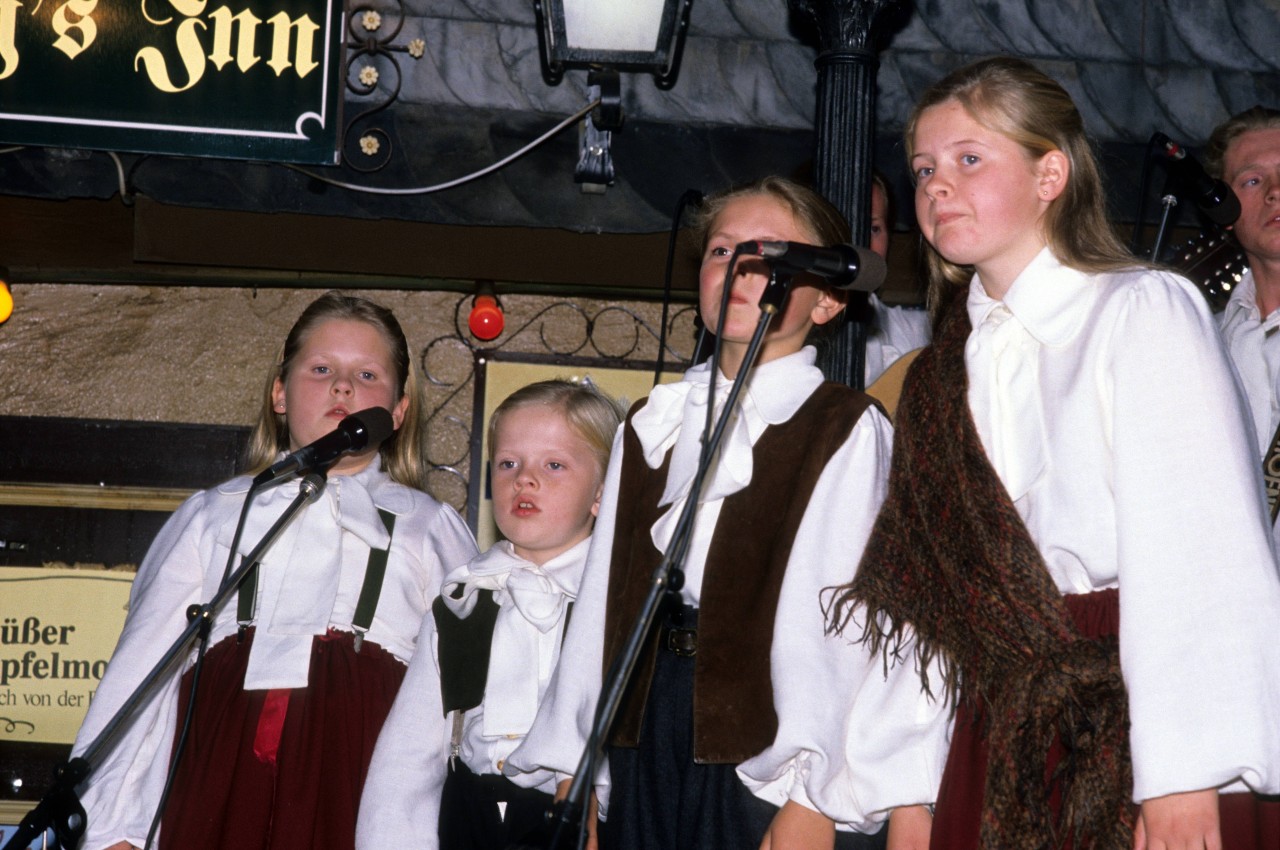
<point x="1011" y="97"/>
<point x="402" y="455"/>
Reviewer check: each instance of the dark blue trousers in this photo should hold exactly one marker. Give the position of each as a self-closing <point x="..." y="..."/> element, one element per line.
<point x="662" y="800"/>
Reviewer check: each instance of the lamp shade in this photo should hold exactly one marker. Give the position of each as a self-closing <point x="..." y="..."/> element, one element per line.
<point x="626" y="35"/>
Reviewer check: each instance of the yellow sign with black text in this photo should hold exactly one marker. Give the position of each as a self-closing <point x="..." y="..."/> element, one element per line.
<point x="58" y="628"/>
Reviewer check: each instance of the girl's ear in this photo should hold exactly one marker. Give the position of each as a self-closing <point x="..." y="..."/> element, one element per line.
<point x="829" y="304"/>
<point x="1053" y="172"/>
<point x="277" y="395"/>
<point x="397" y="412"/>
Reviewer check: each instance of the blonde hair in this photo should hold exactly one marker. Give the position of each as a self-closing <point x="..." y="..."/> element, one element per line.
<point x="1013" y="98"/>
<point x="1254" y="118"/>
<point x="402" y="455"/>
<point x="813" y="212"/>
<point x="825" y="225"/>
<point x="592" y="414"/>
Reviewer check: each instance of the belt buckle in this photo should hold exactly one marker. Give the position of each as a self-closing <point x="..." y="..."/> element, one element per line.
<point x="682" y="642"/>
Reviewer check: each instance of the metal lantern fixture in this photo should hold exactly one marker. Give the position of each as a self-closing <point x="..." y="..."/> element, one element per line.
<point x="606" y="37"/>
<point x="626" y="35"/>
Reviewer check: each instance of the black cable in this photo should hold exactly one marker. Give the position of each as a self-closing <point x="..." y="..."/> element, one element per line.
<point x="201" y="648"/>
<point x="1139" y="221"/>
<point x="725" y="291"/>
<point x="181" y="743"/>
<point x="691" y="197"/>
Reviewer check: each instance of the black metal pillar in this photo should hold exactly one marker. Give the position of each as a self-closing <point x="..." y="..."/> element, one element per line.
<point x="844" y="130"/>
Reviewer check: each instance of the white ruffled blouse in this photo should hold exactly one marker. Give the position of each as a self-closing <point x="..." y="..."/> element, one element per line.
<point x="309" y="581"/>
<point x="1107" y="405"/>
<point x="533" y="602"/>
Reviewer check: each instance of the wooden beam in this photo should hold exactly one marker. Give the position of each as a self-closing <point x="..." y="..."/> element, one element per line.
<point x="97" y="241"/>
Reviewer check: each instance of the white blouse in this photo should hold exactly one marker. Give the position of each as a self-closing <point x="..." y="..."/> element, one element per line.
<point x="309" y="581"/>
<point x="828" y="754"/>
<point x="1108" y="407"/>
<point x="400" y="805"/>
<point x="898" y="330"/>
<point x="533" y="604"/>
<point x="1254" y="346"/>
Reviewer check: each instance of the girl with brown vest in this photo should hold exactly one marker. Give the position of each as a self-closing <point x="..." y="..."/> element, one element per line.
<point x="743" y="727"/>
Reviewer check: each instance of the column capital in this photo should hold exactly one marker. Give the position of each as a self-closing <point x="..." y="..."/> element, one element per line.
<point x="842" y="25"/>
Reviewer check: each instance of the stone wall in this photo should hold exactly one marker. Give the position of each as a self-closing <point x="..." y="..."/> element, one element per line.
<point x="201" y="355"/>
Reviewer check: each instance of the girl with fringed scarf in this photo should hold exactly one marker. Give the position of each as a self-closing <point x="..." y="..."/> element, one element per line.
<point x="1074" y="525"/>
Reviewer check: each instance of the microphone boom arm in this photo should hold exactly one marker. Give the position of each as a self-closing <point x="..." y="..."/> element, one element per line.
<point x="60" y="808"/>
<point x="565" y="817"/>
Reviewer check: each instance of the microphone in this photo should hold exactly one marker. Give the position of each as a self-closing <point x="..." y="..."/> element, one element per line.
<point x="353" y="434"/>
<point x="844" y="266"/>
<point x="1214" y="197"/>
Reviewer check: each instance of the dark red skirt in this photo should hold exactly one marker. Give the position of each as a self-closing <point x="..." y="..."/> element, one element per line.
<point x="225" y="795"/>
<point x="1248" y="822"/>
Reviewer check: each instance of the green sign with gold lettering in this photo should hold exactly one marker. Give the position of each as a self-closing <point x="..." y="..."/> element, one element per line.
<point x="247" y="79"/>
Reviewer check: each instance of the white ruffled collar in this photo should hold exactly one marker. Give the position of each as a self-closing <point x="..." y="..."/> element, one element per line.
<point x="520" y="657"/>
<point x="674" y="414"/>
<point x="1046" y="306"/>
<point x="527" y="584"/>
<point x="1050" y="300"/>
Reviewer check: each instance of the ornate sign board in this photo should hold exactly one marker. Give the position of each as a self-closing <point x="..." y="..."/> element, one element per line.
<point x="244" y="79"/>
<point x="58" y="628"/>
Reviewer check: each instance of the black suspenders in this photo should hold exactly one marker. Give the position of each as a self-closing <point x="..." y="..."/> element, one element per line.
<point x="374" y="574"/>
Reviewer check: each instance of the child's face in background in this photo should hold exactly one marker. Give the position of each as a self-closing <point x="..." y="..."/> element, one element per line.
<point x="879" y="241"/>
<point x="767" y="219"/>
<point x="546" y="482"/>
<point x="343" y="366"/>
<point x="979" y="195"/>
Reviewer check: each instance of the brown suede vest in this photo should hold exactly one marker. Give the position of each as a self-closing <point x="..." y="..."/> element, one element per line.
<point x="733" y="715"/>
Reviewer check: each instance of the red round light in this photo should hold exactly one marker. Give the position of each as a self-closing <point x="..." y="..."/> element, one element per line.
<point x="486" y="320"/>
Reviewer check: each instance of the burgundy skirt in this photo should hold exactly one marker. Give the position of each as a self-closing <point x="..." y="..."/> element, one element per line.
<point x="1248" y="821"/>
<point x="279" y="769"/>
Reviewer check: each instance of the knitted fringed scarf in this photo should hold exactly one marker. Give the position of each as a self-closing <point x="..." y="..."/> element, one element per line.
<point x="950" y="557"/>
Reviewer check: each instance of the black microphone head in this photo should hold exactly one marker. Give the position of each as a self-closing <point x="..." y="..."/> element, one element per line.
<point x="1221" y="206"/>
<point x="850" y="267"/>
<point x="1213" y="196"/>
<point x="368" y="427"/>
<point x="868" y="270"/>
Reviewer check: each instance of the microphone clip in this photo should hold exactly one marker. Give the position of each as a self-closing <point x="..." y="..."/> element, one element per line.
<point x="774" y="297"/>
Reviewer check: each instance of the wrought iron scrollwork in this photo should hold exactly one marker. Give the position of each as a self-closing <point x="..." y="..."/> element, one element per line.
<point x="373" y="72"/>
<point x="613" y="335"/>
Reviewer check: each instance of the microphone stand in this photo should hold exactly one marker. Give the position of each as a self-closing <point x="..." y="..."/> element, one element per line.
<point x="1168" y="201"/>
<point x="566" y="816"/>
<point x="60" y="808"/>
